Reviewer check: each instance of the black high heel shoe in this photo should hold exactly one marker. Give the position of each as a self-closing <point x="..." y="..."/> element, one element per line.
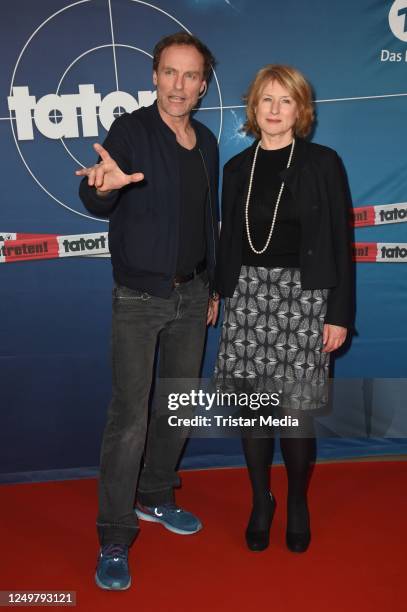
<point x="258" y="540"/>
<point x="299" y="541"/>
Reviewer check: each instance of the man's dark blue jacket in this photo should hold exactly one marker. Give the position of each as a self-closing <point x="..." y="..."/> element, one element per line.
<point x="144" y="217"/>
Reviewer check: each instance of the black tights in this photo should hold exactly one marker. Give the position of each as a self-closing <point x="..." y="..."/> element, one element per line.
<point x="298" y="454"/>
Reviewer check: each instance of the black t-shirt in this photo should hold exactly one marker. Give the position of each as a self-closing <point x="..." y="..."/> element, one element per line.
<point x="284" y="247"/>
<point x="194" y="190"/>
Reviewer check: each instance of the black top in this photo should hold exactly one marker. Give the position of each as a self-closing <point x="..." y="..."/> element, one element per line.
<point x="144" y="216"/>
<point x="284" y="247"/>
<point x="317" y="181"/>
<point x="194" y="188"/>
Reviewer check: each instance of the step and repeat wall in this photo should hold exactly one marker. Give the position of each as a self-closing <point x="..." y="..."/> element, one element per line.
<point x="68" y="69"/>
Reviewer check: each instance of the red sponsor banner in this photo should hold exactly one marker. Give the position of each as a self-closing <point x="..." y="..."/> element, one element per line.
<point x="380" y="252"/>
<point x="24" y="248"/>
<point x="379" y="214"/>
<point x="364" y="215"/>
<point x="365" y="251"/>
<point x="31" y="236"/>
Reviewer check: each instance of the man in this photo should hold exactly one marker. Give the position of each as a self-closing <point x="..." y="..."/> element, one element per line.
<point x="157" y="182"/>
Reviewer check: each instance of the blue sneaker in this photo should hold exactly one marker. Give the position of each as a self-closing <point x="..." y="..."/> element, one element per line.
<point x="172" y="517"/>
<point x="112" y="572"/>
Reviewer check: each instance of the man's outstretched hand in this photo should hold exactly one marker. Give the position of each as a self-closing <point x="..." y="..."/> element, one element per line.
<point x="106" y="175"/>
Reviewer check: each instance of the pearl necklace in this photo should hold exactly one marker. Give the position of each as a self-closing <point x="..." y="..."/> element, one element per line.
<point x="280" y="193"/>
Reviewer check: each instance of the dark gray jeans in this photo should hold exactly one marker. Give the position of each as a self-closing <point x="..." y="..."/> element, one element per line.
<point x="139" y="321"/>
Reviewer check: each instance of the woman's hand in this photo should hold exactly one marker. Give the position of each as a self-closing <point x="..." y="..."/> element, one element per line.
<point x="213" y="310"/>
<point x="333" y="337"/>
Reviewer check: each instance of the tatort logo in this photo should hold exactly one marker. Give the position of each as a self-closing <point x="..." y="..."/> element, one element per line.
<point x="393" y="252"/>
<point x="84" y="244"/>
<point x="97" y="74"/>
<point x="57" y="116"/>
<point x="392" y="216"/>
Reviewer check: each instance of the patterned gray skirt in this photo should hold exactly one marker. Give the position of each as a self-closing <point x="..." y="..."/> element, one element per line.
<point x="271" y="338"/>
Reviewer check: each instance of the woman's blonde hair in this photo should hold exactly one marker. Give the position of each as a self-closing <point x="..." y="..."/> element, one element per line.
<point x="296" y="85"/>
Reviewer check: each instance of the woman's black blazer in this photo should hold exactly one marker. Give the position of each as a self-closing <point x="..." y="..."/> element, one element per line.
<point x="318" y="182"/>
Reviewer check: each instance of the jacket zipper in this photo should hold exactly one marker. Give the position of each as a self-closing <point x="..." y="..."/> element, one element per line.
<point x="210" y="203"/>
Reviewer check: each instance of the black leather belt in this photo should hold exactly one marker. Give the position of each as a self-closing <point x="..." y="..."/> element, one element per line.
<point x="178" y="280"/>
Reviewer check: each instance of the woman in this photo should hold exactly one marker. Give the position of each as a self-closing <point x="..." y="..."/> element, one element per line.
<point x="285" y="270"/>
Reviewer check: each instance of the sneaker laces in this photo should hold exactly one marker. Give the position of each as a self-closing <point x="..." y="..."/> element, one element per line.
<point x="117" y="551"/>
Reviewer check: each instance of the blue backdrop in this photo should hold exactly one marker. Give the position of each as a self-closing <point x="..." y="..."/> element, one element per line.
<point x="55" y="379"/>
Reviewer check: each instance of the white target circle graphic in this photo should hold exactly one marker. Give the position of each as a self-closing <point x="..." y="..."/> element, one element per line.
<point x="73" y="63"/>
<point x="114" y="45"/>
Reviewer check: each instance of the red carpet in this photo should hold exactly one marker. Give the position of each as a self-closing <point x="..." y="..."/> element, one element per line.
<point x="357" y="558"/>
